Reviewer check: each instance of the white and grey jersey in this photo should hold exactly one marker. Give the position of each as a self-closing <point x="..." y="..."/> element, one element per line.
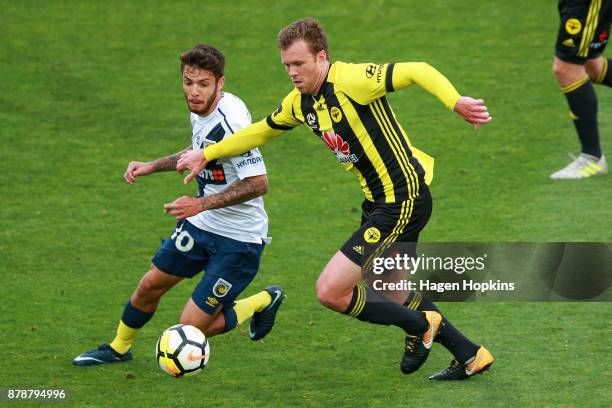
<point x="248" y="221"/>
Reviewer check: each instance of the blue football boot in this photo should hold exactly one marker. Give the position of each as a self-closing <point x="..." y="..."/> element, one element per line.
<point x="101" y="355"/>
<point x="262" y="322"/>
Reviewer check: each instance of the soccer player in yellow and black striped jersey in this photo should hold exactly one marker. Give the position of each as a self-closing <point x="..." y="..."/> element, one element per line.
<point x="345" y="105"/>
<point x="584" y="32"/>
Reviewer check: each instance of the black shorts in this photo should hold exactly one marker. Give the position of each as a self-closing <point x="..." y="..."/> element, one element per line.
<point x="584" y="29"/>
<point x="383" y="224"/>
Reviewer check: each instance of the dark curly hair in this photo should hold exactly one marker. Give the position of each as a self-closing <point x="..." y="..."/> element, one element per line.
<point x="206" y="57"/>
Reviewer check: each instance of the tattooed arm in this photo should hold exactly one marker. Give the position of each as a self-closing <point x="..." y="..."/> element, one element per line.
<point x="237" y="192"/>
<point x="167" y="163"/>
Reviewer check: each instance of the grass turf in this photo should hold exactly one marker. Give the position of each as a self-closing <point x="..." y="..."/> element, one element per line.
<point x="86" y="87"/>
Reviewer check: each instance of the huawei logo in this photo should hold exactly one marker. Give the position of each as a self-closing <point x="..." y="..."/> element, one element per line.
<point x="336" y="143"/>
<point x="340" y="148"/>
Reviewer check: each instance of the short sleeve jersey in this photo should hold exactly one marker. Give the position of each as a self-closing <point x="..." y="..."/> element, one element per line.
<point x="248" y="221"/>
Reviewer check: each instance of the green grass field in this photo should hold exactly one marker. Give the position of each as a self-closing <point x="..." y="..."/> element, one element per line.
<point x="85" y="87"/>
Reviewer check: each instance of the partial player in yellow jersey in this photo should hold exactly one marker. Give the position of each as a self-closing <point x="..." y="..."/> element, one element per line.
<point x="346" y="106"/>
<point x="583" y="35"/>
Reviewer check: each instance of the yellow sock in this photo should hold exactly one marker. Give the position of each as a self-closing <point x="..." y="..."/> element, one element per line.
<point x="246" y="307"/>
<point x="124" y="339"/>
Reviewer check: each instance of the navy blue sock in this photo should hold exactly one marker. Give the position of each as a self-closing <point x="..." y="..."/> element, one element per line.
<point x="231" y="320"/>
<point x="135" y="318"/>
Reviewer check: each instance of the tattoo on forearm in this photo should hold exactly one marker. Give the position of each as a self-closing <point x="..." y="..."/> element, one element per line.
<point x="168" y="163"/>
<point x="238" y="192"/>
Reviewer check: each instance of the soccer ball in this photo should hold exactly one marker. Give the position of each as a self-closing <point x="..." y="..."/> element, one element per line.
<point x="182" y="350"/>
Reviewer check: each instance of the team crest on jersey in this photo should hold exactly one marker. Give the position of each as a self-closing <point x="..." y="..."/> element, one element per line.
<point x="336" y="114"/>
<point x="339" y="147"/>
<point x="372" y="235"/>
<point x="221" y="287"/>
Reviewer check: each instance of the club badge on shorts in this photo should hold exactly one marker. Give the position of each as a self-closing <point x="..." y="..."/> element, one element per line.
<point x="573" y="26"/>
<point x="372" y="235"/>
<point x="221" y="287"/>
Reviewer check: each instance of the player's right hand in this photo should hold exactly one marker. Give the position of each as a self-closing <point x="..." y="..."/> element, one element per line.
<point x="136" y="169"/>
<point x="473" y="111"/>
<point x="193" y="160"/>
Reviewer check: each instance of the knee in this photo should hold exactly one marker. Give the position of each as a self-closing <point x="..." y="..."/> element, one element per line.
<point x="329" y="298"/>
<point x="559" y="69"/>
<point x="567" y="73"/>
<point x="593" y="68"/>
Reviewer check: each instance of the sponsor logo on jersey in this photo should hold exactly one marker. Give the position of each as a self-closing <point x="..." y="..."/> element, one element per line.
<point x="372" y="235"/>
<point x="379" y="73"/>
<point x="336" y="114"/>
<point x="247" y="154"/>
<point x="221" y="287"/>
<point x="370" y="70"/>
<point x="358" y="249"/>
<point x="339" y="147"/>
<point x="248" y="161"/>
<point x="213" y="173"/>
<point x="573" y="26"/>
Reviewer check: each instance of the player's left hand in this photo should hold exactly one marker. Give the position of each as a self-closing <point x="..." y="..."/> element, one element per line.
<point x="473" y="111"/>
<point x="184" y="207"/>
<point x="193" y="160"/>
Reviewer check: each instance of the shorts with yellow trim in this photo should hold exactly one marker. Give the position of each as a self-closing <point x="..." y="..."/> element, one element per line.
<point x="584" y="29"/>
<point x="384" y="224"/>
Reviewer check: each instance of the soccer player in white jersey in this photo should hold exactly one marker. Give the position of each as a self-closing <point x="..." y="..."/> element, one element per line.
<point x="223" y="231"/>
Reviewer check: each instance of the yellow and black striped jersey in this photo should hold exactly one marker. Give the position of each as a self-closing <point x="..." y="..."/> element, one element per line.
<point x="352" y="116"/>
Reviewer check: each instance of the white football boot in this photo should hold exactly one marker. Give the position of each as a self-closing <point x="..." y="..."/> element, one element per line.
<point x="583" y="166"/>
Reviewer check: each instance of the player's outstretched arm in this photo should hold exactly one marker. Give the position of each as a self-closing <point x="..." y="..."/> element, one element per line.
<point x="242" y="141"/>
<point x="237" y="192"/>
<point x="167" y="163"/>
<point x="427" y="77"/>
